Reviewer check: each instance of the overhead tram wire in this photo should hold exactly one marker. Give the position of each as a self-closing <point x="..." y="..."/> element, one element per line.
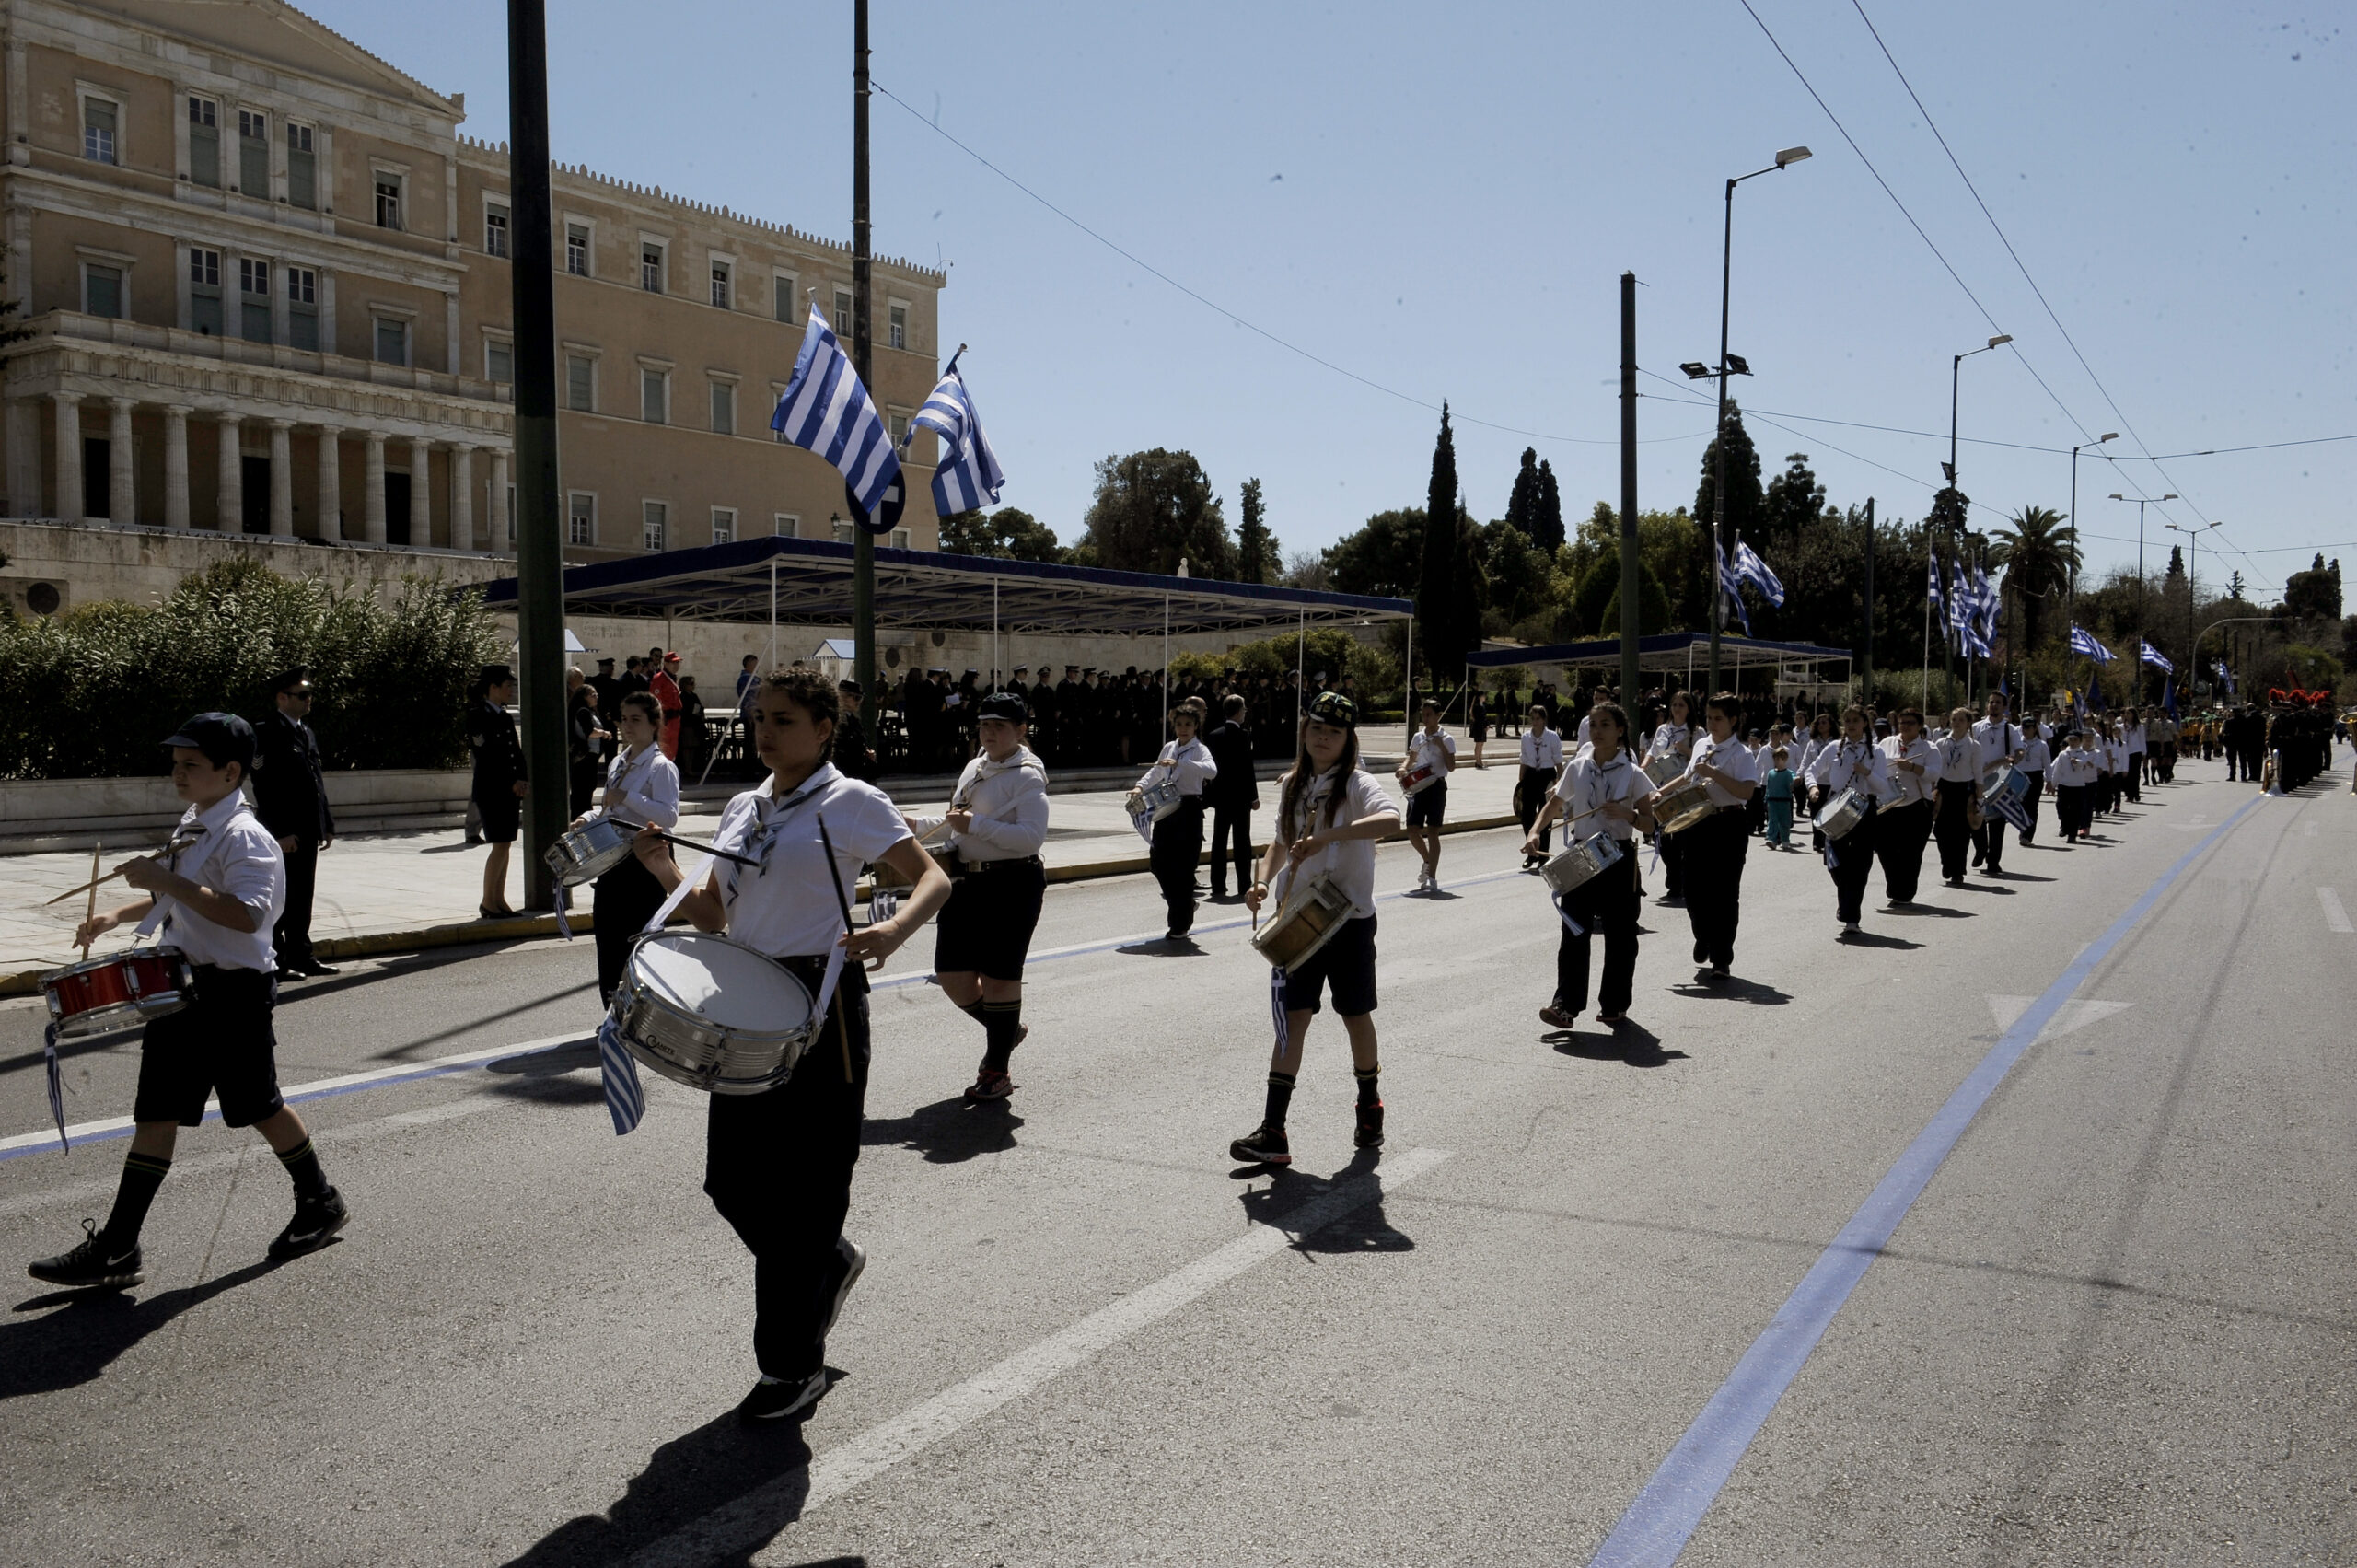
<point x="1213" y="306"/>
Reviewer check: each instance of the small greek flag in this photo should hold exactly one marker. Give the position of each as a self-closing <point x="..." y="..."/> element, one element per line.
<point x="1277" y="1007"/>
<point x="1960" y="604"/>
<point x="2083" y="643"/>
<point x="1731" y="586"/>
<point x="1749" y="568"/>
<point x="968" y="475"/>
<point x="625" y="1101"/>
<point x="1988" y="601"/>
<point x="1931" y="588"/>
<point x="56" y="1086"/>
<point x="2152" y="655"/>
<point x="825" y="409"/>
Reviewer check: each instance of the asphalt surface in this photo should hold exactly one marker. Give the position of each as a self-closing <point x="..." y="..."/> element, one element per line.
<point x="2115" y="1328"/>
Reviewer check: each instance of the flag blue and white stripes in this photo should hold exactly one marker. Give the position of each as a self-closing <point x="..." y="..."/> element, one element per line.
<point x="1939" y="600"/>
<point x="625" y="1100"/>
<point x="56" y="1086"/>
<point x="968" y="475"/>
<point x="2152" y="655"/>
<point x="1989" y="603"/>
<point x="1749" y="568"/>
<point x="2083" y="643"/>
<point x="2227" y="676"/>
<point x="1731" y="587"/>
<point x="825" y="409"/>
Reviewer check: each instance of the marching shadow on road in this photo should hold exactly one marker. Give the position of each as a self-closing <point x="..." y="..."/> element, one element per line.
<point x="686" y="1479"/>
<point x="1363" y="1229"/>
<point x="1939" y="912"/>
<point x="2018" y="876"/>
<point x="1733" y="989"/>
<point x="1164" y="948"/>
<point x="1876" y="939"/>
<point x="76" y="1343"/>
<point x="547" y="1076"/>
<point x="946" y="1131"/>
<point x="1631" y="1044"/>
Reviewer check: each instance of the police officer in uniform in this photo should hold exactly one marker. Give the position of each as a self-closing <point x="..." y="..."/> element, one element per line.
<point x="291" y="798"/>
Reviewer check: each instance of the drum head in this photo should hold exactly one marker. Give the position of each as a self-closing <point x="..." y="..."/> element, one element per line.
<point x="722" y="983"/>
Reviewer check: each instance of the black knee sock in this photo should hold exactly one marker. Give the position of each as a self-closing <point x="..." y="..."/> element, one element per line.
<point x="1003" y="1024"/>
<point x="302" y="1163"/>
<point x="974" y="1010"/>
<point x="141" y="1175"/>
<point x="1279" y="1099"/>
<point x="1369" y="1093"/>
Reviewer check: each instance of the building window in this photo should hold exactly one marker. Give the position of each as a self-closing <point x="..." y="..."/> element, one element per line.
<point x="845" y="533"/>
<point x="650" y="268"/>
<point x="657" y="522"/>
<point x="101" y="290"/>
<point x="580" y="384"/>
<point x="204" y="292"/>
<point x="392" y="341"/>
<point x="899" y="538"/>
<point x="303" y="309"/>
<point x="781" y="296"/>
<point x="653" y="397"/>
<point x="302" y="169"/>
<point x="900" y="326"/>
<point x="253" y="152"/>
<point x="253" y="300"/>
<point x="786" y="524"/>
<point x="498" y="360"/>
<point x="495" y="230"/>
<point x="581" y="519"/>
<point x="98" y="130"/>
<point x="898" y="424"/>
<point x="204" y="140"/>
<point x="842" y="313"/>
<point x="724" y="409"/>
<point x="723" y="525"/>
<point x="576" y="250"/>
<point x="389" y="199"/>
<point x="720" y="285"/>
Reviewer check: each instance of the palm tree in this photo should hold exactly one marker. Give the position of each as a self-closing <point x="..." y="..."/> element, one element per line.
<point x="2040" y="555"/>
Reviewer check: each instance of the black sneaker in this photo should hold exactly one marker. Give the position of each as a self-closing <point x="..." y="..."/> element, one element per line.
<point x="311" y="1227"/>
<point x="778" y="1401"/>
<point x="92" y="1264"/>
<point x="854" y="1259"/>
<point x="1263" y="1145"/>
<point x="1370" y="1131"/>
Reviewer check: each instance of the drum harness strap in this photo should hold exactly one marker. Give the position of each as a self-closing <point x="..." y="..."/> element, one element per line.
<point x="1833" y="846"/>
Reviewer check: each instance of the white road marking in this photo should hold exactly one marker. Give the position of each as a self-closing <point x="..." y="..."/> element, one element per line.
<point x="2070" y="1018"/>
<point x="2334" y="915"/>
<point x="761" y="1513"/>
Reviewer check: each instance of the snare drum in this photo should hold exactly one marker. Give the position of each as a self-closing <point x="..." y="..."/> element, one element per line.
<point x="591" y="850"/>
<point x="1150" y="803"/>
<point x="1682" y="803"/>
<point x="1306" y="923"/>
<point x="712" y="1013"/>
<point x="1422" y="778"/>
<point x="1580" y="862"/>
<point x="1664" y="766"/>
<point x="2005" y="781"/>
<point x="1843" y="813"/>
<point x="112" y="994"/>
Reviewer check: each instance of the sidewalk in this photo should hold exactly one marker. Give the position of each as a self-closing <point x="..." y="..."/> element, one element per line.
<point x="394" y="892"/>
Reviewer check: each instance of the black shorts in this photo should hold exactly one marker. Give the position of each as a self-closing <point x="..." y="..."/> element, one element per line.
<point x="985" y="928"/>
<point x="1427" y="807"/>
<point x="1347" y="963"/>
<point x="502" y="813"/>
<point x="220" y="1043"/>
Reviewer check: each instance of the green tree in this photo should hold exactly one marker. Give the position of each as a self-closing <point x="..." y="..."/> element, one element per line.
<point x="1547" y="521"/>
<point x="1522" y="506"/>
<point x="1379" y="558"/>
<point x="1745" y="497"/>
<point x="1008" y="534"/>
<point x="1794" y="501"/>
<point x="2039" y="552"/>
<point x="1257" y="559"/>
<point x="1437" y="599"/>
<point x="1153" y="510"/>
<point x="2315" y="594"/>
<point x="1595" y="604"/>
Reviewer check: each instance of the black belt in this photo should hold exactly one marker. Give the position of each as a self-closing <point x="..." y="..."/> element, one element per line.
<point x="811" y="970"/>
<point x="977" y="867"/>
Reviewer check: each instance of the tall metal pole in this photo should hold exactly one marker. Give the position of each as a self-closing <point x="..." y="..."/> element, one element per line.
<point x="1719" y="481"/>
<point x="1867" y="648"/>
<point x="2139" y="699"/>
<point x="1631" y="629"/>
<point x="863" y="568"/>
<point x="540" y="558"/>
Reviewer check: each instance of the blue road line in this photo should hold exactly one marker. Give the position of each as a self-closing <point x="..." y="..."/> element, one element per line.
<point x="1654" y="1532"/>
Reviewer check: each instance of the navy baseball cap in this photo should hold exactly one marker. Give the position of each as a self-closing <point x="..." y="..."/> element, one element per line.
<point x="223" y="738"/>
<point x="1005" y="706"/>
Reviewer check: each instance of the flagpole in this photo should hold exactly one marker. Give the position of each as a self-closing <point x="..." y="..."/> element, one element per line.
<point x="863" y="568"/>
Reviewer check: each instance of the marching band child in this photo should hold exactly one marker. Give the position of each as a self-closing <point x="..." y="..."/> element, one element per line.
<point x="1852" y="762"/>
<point x="1673" y="742"/>
<point x="1179" y="838"/>
<point x="1717" y="846"/>
<point x="1778" y="787"/>
<point x="1602" y="794"/>
<point x="1959" y="791"/>
<point x="1434" y="748"/>
<point x="642" y="789"/>
<point x="1912" y="763"/>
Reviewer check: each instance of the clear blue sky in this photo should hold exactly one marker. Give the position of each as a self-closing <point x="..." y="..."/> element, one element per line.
<point x="1441" y="201"/>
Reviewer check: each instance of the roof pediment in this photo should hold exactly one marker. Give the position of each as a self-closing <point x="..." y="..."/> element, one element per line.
<point x="277" y="33"/>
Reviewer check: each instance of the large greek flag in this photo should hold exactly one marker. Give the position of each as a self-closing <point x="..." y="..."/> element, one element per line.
<point x="968" y="475"/>
<point x="825" y="409"/>
<point x="1987" y="602"/>
<point x="2152" y="655"/>
<point x="1931" y="590"/>
<point x="2082" y="642"/>
<point x="1749" y="568"/>
<point x="1960" y="604"/>
<point x="1731" y="587"/>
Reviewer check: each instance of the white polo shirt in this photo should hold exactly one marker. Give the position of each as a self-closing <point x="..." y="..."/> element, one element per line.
<point x="787" y="908"/>
<point x="650" y="785"/>
<point x="1959" y="759"/>
<point x="1732" y="757"/>
<point x="1542" y="749"/>
<point x="1189" y="762"/>
<point x="1672" y="740"/>
<point x="1851" y="764"/>
<point x="1908" y="788"/>
<point x="230" y="851"/>
<point x="1437" y="749"/>
<point x="1587" y="783"/>
<point x="1350" y="861"/>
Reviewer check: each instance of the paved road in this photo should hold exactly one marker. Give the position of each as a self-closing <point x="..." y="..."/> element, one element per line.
<point x="2115" y="1328"/>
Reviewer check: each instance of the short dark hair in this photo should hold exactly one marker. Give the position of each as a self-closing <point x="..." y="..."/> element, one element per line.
<point x="1727" y="705"/>
<point x="752" y="660"/>
<point x="1234" y="707"/>
<point x="644" y="701"/>
<point x="806" y="689"/>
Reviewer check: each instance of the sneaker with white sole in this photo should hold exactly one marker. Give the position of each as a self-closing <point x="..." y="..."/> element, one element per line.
<point x="92" y="1264"/>
<point x="777" y="1398"/>
<point x="312" y="1225"/>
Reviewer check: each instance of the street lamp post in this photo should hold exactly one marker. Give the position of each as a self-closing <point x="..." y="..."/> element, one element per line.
<point x="1955" y="378"/>
<point x="2142" y="502"/>
<point x="2106" y="435"/>
<point x="1728" y="364"/>
<point x="2192" y="570"/>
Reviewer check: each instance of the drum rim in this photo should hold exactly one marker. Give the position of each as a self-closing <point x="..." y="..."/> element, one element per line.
<point x="167" y="955"/>
<point x="808" y="1031"/>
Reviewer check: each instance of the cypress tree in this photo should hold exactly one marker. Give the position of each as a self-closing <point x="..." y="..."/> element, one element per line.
<point x="1444" y="650"/>
<point x="1521" y="507"/>
<point x="1255" y="550"/>
<point x="1546" y="529"/>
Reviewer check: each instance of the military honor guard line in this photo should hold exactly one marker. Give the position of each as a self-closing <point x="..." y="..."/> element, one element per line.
<point x="760" y="995"/>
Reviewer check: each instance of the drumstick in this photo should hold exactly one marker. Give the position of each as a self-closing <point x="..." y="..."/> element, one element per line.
<point x="708" y="849"/>
<point x="90" y="911"/>
<point x="842" y="902"/>
<point x="91" y="886"/>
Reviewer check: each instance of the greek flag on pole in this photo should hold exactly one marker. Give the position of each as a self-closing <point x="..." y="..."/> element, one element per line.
<point x="1931" y="590"/>
<point x="1959" y="603"/>
<point x="2227" y="676"/>
<point x="968" y="475"/>
<point x="2082" y="642"/>
<point x="2152" y="655"/>
<point x="1749" y="568"/>
<point x="825" y="409"/>
<point x="1730" y="585"/>
<point x="625" y="1100"/>
<point x="1985" y="597"/>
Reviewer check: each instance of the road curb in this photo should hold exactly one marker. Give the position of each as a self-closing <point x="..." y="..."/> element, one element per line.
<point x="524" y="927"/>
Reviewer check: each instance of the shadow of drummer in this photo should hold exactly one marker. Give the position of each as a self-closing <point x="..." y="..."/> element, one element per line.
<point x="947" y="1132"/>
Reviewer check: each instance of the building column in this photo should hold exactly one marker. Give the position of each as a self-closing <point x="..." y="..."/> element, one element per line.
<point x="420" y="492"/>
<point x="462" y="498"/>
<point x="232" y="503"/>
<point x="175" y="464"/>
<point x="122" y="502"/>
<point x="372" y="482"/>
<point x="24" y="457"/>
<point x="69" y="456"/>
<point x="495" y="509"/>
<point x="330" y="482"/>
<point x="282" y="477"/>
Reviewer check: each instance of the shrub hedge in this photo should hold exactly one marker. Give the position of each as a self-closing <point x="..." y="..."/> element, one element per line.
<point x="89" y="694"/>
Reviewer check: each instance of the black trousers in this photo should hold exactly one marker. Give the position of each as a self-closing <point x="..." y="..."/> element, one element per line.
<point x="1178" y="845"/>
<point x="292" y="934"/>
<point x="1851" y="859"/>
<point x="1716" y="849"/>
<point x="2071" y="809"/>
<point x="1529" y="798"/>
<point x="2029" y="803"/>
<point x="2135" y="776"/>
<point x="1900" y="833"/>
<point x="1992" y="841"/>
<point x="1950" y="827"/>
<point x="586" y="776"/>
<point x="1605" y="904"/>
<point x="1231" y="831"/>
<point x="625" y="899"/>
<point x="1672" y="866"/>
<point x="778" y="1167"/>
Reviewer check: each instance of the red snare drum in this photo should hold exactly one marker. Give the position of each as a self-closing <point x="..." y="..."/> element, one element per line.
<point x="115" y="992"/>
<point x="1423" y="778"/>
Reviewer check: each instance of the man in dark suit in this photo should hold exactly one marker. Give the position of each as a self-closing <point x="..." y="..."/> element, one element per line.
<point x="291" y="798"/>
<point x="1233" y="794"/>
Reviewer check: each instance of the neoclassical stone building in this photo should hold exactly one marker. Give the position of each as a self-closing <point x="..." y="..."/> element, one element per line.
<point x="265" y="283"/>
